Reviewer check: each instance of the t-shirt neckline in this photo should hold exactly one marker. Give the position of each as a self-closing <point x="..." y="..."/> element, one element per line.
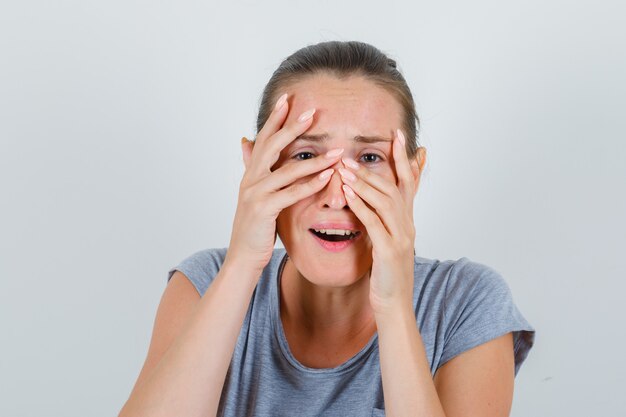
<point x="279" y="333"/>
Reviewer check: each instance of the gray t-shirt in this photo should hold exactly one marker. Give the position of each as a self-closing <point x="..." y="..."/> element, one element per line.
<point x="458" y="305"/>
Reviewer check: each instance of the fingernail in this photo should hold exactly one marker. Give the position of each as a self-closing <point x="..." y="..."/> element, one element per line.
<point x="347" y="175"/>
<point x="281" y="102"/>
<point x="306" y="115"/>
<point x="348" y="191"/>
<point x="401" y="137"/>
<point x="244" y="139"/>
<point x="334" y="153"/>
<point x="325" y="174"/>
<point x="350" y="163"/>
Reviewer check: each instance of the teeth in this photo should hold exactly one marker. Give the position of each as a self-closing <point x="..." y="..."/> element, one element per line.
<point x="340" y="232"/>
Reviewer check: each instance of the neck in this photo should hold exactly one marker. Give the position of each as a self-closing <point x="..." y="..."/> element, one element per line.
<point x="343" y="311"/>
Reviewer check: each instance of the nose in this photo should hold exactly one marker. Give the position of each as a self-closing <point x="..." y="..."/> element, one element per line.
<point x="332" y="195"/>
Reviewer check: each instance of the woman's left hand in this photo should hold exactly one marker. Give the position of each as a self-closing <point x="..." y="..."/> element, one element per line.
<point x="390" y="227"/>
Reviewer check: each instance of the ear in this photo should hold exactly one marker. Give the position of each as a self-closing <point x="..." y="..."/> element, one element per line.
<point x="417" y="166"/>
<point x="246" y="150"/>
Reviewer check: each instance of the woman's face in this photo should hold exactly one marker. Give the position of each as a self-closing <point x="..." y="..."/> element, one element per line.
<point x="347" y="111"/>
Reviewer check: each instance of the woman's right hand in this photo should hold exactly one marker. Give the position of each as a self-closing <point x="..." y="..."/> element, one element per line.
<point x="263" y="193"/>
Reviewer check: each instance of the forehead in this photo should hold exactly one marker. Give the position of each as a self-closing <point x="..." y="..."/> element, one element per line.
<point x="345" y="107"/>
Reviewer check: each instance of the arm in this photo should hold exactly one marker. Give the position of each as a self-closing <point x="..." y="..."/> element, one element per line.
<point x="478" y="382"/>
<point x="189" y="377"/>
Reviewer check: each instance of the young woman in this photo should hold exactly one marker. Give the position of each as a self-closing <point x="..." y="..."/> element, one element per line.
<point x="346" y="320"/>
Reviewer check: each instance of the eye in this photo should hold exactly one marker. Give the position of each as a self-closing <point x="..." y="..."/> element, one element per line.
<point x="301" y="156"/>
<point x="367" y="158"/>
<point x="371" y="158"/>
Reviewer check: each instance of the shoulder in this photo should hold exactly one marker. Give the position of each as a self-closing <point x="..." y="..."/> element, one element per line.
<point x="462" y="286"/>
<point x="468" y="276"/>
<point x="457" y="279"/>
<point x="475" y="305"/>
<point x="202" y="266"/>
<point x="205" y="258"/>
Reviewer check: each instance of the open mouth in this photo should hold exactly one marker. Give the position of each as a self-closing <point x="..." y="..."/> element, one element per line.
<point x="334" y="235"/>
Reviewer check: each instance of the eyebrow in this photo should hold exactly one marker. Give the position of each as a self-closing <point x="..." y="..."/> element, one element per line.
<point x="359" y="138"/>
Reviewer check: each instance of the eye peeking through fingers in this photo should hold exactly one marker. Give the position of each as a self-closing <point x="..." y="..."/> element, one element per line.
<point x="301" y="156"/>
<point x="371" y="158"/>
<point x="366" y="158"/>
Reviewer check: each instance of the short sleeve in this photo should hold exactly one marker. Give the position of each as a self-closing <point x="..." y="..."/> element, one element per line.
<point x="201" y="268"/>
<point x="479" y="307"/>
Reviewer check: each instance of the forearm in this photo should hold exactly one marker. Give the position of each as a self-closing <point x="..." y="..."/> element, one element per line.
<point x="408" y="386"/>
<point x="188" y="380"/>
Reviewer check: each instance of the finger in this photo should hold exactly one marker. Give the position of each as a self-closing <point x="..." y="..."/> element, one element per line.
<point x="296" y="192"/>
<point x="273" y="123"/>
<point x="390" y="210"/>
<point x="371" y="178"/>
<point x="275" y="119"/>
<point x="291" y="172"/>
<point x="375" y="228"/>
<point x="406" y="182"/>
<point x="269" y="151"/>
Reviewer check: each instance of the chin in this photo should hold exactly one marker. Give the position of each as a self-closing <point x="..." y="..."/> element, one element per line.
<point x="316" y="274"/>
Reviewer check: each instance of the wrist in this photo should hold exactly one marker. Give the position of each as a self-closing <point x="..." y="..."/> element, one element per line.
<point x="394" y="313"/>
<point x="241" y="269"/>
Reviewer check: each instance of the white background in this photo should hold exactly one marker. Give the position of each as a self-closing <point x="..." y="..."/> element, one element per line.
<point x="120" y="127"/>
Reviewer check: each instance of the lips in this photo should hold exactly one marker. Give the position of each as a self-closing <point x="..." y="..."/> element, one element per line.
<point x="335" y="231"/>
<point x="335" y="236"/>
<point x="331" y="235"/>
<point x="336" y="225"/>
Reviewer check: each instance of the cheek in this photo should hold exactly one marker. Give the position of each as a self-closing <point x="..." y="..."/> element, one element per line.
<point x="293" y="218"/>
<point x="385" y="171"/>
<point x="285" y="222"/>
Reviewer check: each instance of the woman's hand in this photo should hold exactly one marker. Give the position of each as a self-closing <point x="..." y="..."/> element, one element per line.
<point x="263" y="193"/>
<point x="390" y="227"/>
